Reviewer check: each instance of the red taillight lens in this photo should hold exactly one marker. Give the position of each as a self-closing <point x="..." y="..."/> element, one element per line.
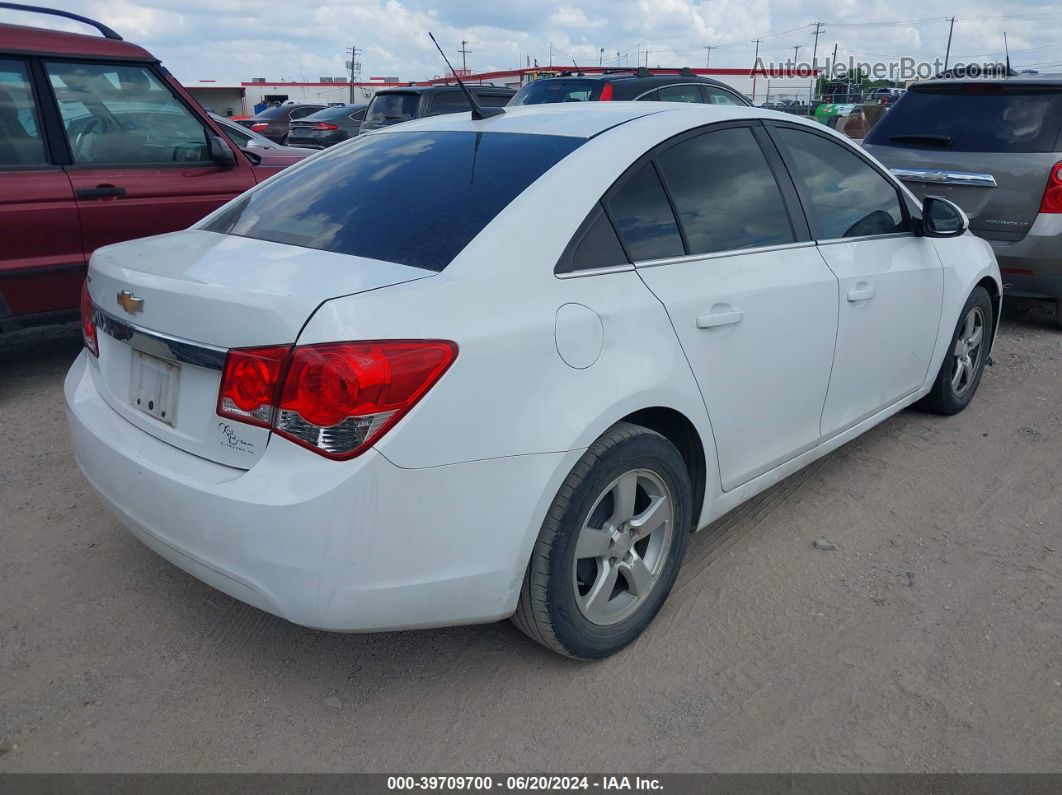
<point x="334" y="398"/>
<point x="606" y="93"/>
<point x="250" y="382"/>
<point x="1052" y="200"/>
<point x="323" y="125"/>
<point x="258" y="126"/>
<point x="88" y="322"/>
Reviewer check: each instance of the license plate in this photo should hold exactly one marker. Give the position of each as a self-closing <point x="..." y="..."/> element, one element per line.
<point x="153" y="386"/>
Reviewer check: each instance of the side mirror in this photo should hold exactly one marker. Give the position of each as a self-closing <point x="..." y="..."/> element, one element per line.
<point x="943" y="218"/>
<point x="220" y="153"/>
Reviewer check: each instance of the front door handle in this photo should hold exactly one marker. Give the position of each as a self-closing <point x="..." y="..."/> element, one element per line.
<point x="100" y="192"/>
<point x="713" y="319"/>
<point x="861" y="293"/>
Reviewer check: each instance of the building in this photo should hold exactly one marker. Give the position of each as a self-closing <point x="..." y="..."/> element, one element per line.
<point x="242" y="99"/>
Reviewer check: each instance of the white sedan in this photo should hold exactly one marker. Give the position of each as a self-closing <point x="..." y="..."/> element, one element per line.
<point x="463" y="370"/>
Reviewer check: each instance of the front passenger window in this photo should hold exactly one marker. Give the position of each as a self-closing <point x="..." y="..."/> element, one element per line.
<point x="20" y="131"/>
<point x="125" y="116"/>
<point x="848" y="197"/>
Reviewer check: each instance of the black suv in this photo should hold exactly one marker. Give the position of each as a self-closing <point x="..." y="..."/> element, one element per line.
<point x="629" y="84"/>
<point x="396" y="105"/>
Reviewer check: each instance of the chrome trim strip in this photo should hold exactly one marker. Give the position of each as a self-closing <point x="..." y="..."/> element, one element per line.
<point x="164" y="346"/>
<point x="737" y="252"/>
<point x="862" y="238"/>
<point x="595" y="271"/>
<point x="936" y="176"/>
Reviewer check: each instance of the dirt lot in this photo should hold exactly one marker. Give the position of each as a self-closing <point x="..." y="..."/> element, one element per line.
<point x="931" y="639"/>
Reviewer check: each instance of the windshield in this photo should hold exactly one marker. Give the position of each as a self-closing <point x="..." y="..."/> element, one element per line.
<point x="393" y="107"/>
<point x="330" y="113"/>
<point x="412" y="198"/>
<point x="973" y="117"/>
<point x="547" y="91"/>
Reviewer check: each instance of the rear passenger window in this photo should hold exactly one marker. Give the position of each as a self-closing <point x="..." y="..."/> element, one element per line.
<point x="724" y="192"/>
<point x="20" y="130"/>
<point x="680" y="94"/>
<point x="652" y="96"/>
<point x="717" y="96"/>
<point x="644" y="219"/>
<point x="448" y="102"/>
<point x="848" y="197"/>
<point x="493" y="100"/>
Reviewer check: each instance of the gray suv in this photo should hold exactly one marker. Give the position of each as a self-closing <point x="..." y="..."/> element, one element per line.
<point x="994" y="147"/>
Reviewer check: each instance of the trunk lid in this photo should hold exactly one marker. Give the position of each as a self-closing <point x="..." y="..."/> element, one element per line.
<point x="988" y="145"/>
<point x="189" y="297"/>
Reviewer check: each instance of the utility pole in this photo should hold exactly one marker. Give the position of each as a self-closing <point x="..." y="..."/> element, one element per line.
<point x="755" y="60"/>
<point x="814" y="62"/>
<point x="354" y="67"/>
<point x="464" y="57"/>
<point x="601" y="57"/>
<point x="947" y="52"/>
<point x="796" y="53"/>
<point x="551" y="55"/>
<point x="708" y="57"/>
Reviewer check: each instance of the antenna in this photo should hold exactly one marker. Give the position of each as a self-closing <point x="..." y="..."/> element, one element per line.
<point x="478" y="113"/>
<point x="1007" y="49"/>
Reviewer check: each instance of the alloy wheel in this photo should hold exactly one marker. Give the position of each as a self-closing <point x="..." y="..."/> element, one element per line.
<point x="623" y="547"/>
<point x="967" y="352"/>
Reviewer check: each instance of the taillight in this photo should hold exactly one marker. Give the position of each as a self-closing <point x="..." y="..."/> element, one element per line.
<point x="323" y="125"/>
<point x="335" y="398"/>
<point x="606" y="93"/>
<point x="1052" y="200"/>
<point x="258" y="126"/>
<point x="88" y="322"/>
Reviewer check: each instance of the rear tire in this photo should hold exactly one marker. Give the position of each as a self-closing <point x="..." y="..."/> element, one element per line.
<point x="610" y="546"/>
<point x="960" y="372"/>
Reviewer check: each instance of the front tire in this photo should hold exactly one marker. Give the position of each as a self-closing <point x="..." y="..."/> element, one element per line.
<point x="960" y="373"/>
<point x="610" y="547"/>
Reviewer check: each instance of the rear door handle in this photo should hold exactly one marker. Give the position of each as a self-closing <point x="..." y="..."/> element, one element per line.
<point x="99" y="192"/>
<point x="713" y="319"/>
<point x="861" y="294"/>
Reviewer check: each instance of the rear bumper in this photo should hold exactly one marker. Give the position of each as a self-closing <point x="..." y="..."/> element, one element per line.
<point x="347" y="546"/>
<point x="1032" y="266"/>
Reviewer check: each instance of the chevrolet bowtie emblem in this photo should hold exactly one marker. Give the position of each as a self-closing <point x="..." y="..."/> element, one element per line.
<point x="130" y="303"/>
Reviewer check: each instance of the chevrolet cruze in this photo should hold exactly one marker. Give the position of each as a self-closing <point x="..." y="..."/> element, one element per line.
<point x="466" y="369"/>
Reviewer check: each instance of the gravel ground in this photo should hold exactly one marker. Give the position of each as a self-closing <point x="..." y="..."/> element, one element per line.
<point x="930" y="639"/>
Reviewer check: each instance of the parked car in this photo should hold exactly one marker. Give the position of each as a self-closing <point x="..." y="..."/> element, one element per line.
<point x="839" y="92"/>
<point x="885" y="95"/>
<point x="327" y="127"/>
<point x="397" y="105"/>
<point x="474" y="369"/>
<point x="259" y="147"/>
<point x="275" y="121"/>
<point x="994" y="147"/>
<point x="98" y="144"/>
<point x="634" y="84"/>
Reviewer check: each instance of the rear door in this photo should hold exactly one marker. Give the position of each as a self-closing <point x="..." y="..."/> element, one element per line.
<point x="140" y="158"/>
<point x="41" y="263"/>
<point x="891" y="282"/>
<point x="753" y="304"/>
<point x="988" y="147"/>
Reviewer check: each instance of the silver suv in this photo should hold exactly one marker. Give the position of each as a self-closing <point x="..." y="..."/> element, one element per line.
<point x="994" y="147"/>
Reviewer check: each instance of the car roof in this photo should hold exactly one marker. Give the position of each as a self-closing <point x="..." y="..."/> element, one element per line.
<point x="581" y="119"/>
<point x="437" y="89"/>
<point x="26" y="39"/>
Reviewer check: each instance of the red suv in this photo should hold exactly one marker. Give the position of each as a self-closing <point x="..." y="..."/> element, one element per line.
<point x="98" y="144"/>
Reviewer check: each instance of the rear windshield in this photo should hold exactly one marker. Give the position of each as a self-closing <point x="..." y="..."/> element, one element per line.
<point x="393" y="107"/>
<point x="414" y="198"/>
<point x="973" y="117"/>
<point x="330" y="113"/>
<point x="543" y="92"/>
<point x="271" y="112"/>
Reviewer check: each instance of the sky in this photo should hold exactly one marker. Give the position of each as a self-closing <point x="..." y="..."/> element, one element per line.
<point x="234" y="40"/>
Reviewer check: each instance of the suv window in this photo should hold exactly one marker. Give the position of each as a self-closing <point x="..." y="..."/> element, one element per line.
<point x="234" y="132"/>
<point x="973" y="117"/>
<point x="448" y="102"/>
<point x="492" y="100"/>
<point x="124" y="115"/>
<point x="687" y="93"/>
<point x="718" y="96"/>
<point x="644" y="218"/>
<point x="848" y="197"/>
<point x="20" y="131"/>
<point x="414" y="198"/>
<point x="393" y="107"/>
<point x="551" y="90"/>
<point x="724" y="192"/>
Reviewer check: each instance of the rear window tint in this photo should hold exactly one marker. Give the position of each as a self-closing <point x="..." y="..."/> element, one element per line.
<point x="393" y="107"/>
<point x="412" y="198"/>
<point x="544" y="92"/>
<point x="273" y="112"/>
<point x="979" y="117"/>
